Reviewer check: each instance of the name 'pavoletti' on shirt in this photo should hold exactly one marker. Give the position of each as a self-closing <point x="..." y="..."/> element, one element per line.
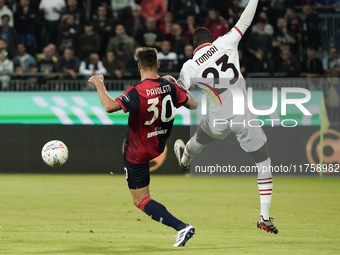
<point x="158" y="91"/>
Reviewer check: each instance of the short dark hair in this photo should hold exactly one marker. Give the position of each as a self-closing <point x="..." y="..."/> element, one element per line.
<point x="263" y="21"/>
<point x="119" y="24"/>
<point x="69" y="48"/>
<point x="88" y="23"/>
<point x="312" y="46"/>
<point x="202" y="35"/>
<point x="212" y="9"/>
<point x="147" y="57"/>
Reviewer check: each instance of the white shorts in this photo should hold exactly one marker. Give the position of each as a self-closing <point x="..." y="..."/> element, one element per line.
<point x="248" y="132"/>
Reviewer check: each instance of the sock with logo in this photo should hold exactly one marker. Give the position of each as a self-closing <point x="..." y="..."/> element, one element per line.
<point x="159" y="213"/>
<point x="265" y="184"/>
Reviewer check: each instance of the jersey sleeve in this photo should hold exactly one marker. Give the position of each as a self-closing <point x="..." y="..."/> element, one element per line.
<point x="232" y="38"/>
<point x="235" y="34"/>
<point x="247" y="16"/>
<point x="184" y="79"/>
<point x="129" y="101"/>
<point x="181" y="95"/>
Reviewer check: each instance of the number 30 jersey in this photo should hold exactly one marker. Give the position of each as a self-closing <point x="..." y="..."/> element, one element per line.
<point x="218" y="60"/>
<point x="151" y="106"/>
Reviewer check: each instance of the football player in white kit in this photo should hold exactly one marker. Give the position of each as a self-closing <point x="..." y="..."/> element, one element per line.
<point x="219" y="60"/>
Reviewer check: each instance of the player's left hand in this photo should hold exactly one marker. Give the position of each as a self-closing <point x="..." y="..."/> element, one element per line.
<point x="94" y="79"/>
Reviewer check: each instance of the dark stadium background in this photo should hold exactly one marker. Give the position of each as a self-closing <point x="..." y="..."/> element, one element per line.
<point x="300" y="37"/>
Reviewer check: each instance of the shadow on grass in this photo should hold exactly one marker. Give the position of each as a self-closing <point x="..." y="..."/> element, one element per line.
<point x="140" y="249"/>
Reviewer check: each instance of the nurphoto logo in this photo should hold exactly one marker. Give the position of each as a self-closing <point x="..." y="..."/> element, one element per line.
<point x="240" y="100"/>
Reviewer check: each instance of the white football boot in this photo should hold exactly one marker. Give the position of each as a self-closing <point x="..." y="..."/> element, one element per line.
<point x="184" y="235"/>
<point x="179" y="147"/>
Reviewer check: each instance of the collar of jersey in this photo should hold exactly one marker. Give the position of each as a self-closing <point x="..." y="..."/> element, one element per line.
<point x="201" y="46"/>
<point x="152" y="79"/>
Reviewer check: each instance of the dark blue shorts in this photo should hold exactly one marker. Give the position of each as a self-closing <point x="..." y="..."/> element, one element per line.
<point x="137" y="176"/>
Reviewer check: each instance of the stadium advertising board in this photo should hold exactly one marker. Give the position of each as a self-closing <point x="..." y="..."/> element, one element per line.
<point x="84" y="108"/>
<point x="97" y="149"/>
<point x="74" y="116"/>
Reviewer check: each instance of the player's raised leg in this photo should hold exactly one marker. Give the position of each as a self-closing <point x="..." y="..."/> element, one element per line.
<point x="265" y="185"/>
<point x="186" y="153"/>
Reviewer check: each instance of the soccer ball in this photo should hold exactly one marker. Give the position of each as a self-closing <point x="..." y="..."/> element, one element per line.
<point x="54" y="153"/>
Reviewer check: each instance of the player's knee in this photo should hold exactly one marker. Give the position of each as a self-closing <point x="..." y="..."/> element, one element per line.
<point x="261" y="154"/>
<point x="203" y="138"/>
<point x="139" y="193"/>
<point x="138" y="200"/>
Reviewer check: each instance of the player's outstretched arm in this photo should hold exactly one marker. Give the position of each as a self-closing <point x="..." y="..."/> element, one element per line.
<point x="109" y="104"/>
<point x="191" y="104"/>
<point x="247" y="16"/>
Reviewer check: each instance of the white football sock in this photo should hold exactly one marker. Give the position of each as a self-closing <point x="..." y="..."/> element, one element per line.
<point x="265" y="184"/>
<point x="192" y="149"/>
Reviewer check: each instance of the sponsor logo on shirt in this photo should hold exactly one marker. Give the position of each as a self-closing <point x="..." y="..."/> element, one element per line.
<point x="126" y="98"/>
<point x="157" y="132"/>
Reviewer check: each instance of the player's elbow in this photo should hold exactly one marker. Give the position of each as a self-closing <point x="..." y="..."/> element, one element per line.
<point x="109" y="109"/>
<point x="193" y="105"/>
<point x="112" y="107"/>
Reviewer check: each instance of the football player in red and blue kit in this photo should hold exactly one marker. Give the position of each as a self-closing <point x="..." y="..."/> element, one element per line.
<point x="151" y="106"/>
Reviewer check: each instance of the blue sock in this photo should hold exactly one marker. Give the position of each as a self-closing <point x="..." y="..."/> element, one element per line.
<point x="159" y="213"/>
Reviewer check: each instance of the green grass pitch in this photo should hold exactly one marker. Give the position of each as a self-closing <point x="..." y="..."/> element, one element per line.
<point x="94" y="214"/>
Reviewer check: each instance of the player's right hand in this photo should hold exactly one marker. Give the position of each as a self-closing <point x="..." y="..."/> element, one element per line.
<point x="94" y="79"/>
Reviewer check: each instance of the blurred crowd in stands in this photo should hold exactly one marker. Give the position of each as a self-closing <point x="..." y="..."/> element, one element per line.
<point x="70" y="38"/>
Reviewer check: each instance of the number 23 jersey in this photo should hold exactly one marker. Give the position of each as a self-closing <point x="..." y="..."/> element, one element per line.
<point x="219" y="59"/>
<point x="151" y="115"/>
